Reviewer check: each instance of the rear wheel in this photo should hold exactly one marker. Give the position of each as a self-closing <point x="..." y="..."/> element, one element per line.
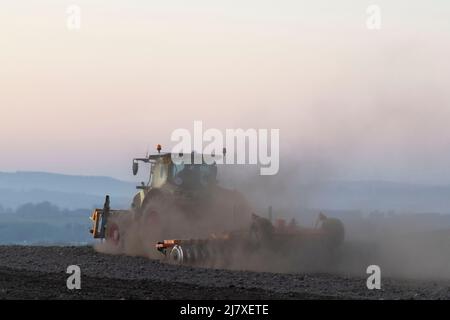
<point x="113" y="234"/>
<point x="176" y="255"/>
<point x="334" y="232"/>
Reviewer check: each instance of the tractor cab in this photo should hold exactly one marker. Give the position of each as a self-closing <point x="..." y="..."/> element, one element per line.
<point x="183" y="174"/>
<point x="185" y="177"/>
<point x="189" y="179"/>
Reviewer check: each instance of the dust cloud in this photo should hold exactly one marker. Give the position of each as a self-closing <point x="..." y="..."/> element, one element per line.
<point x="402" y="245"/>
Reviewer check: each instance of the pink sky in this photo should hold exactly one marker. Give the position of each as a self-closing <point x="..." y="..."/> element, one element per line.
<point x="374" y="104"/>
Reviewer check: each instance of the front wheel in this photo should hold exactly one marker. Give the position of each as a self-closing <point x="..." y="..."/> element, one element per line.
<point x="113" y="234"/>
<point x="176" y="255"/>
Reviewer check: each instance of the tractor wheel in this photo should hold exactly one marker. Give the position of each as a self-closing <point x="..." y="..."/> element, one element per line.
<point x="113" y="234"/>
<point x="188" y="254"/>
<point x="334" y="232"/>
<point x="176" y="255"/>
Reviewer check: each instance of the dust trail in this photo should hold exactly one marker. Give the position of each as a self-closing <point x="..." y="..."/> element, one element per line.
<point x="169" y="217"/>
<point x="401" y="249"/>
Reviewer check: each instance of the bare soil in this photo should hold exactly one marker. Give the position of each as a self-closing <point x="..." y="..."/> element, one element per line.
<point x="37" y="272"/>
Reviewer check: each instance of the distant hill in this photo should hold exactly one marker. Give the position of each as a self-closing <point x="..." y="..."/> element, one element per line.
<point x="75" y="192"/>
<point x="380" y="195"/>
<point x="38" y="207"/>
<point x="370" y="195"/>
<point x="65" y="191"/>
<point x="94" y="185"/>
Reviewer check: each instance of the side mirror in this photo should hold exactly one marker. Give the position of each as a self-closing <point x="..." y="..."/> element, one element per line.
<point x="135" y="167"/>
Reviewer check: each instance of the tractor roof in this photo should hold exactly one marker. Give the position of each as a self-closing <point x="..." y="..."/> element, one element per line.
<point x="157" y="156"/>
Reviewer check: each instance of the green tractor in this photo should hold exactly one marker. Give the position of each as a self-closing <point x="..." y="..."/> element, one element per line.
<point x="184" y="214"/>
<point x="180" y="200"/>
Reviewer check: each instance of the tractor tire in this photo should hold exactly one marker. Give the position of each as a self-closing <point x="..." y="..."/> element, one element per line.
<point x="334" y="232"/>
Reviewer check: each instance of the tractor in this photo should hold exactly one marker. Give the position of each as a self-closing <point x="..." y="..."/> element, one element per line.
<point x="183" y="214"/>
<point x="180" y="199"/>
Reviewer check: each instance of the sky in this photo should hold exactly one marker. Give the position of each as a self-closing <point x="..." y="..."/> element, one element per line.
<point x="362" y="104"/>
